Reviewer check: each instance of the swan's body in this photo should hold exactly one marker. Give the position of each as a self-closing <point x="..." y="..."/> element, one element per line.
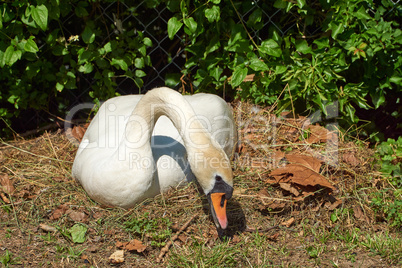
<point x="140" y="145"/>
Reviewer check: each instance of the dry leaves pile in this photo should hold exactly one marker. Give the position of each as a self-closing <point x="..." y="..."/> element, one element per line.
<point x="290" y="153"/>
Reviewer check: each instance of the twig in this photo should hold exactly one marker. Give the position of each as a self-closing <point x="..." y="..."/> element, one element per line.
<point x="168" y="244"/>
<point x="250" y="230"/>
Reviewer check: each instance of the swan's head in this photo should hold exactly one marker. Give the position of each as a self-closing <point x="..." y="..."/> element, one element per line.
<point x="214" y="173"/>
<point x="217" y="199"/>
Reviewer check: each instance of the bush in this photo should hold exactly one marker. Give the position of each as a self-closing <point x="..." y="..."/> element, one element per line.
<point x="48" y="49"/>
<point x="307" y="55"/>
<point x="342" y="53"/>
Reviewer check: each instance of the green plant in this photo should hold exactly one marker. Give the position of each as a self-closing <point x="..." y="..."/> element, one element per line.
<point x="41" y="58"/>
<point x="353" y="59"/>
<point x="200" y="255"/>
<point x="7" y="259"/>
<point x="315" y="250"/>
<point x="390" y="204"/>
<point x="75" y="253"/>
<point x="157" y="230"/>
<point x="390" y="153"/>
<point x="389" y="201"/>
<point x="384" y="245"/>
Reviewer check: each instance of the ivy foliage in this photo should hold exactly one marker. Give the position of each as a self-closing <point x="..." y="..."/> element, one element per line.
<point x="313" y="56"/>
<point x="47" y="46"/>
<point x="307" y="55"/>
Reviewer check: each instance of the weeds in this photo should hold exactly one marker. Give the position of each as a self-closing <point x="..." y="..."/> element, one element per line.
<point x="158" y="230"/>
<point x="7" y="259"/>
<point x="341" y="237"/>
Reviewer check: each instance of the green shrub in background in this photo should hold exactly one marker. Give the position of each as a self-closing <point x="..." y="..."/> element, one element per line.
<point x="312" y="56"/>
<point x="41" y="58"/>
<point x="353" y="59"/>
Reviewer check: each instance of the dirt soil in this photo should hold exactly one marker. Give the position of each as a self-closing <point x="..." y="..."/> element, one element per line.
<point x="277" y="217"/>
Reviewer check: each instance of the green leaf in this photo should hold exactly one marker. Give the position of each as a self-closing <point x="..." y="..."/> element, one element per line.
<point x="78" y="232"/>
<point x="216" y="73"/>
<point x="108" y="47"/>
<point x="172" y="79"/>
<point x="270" y="47"/>
<point x="119" y="63"/>
<point x="140" y="73"/>
<point x="191" y="24"/>
<point x="396" y="80"/>
<point x="147" y="42"/>
<point x="30" y="45"/>
<point x="255" y="17"/>
<point x="280" y="4"/>
<point x="334" y="218"/>
<point x="238" y="76"/>
<point x="174" y="26"/>
<point x="322" y="42"/>
<point x="362" y="13"/>
<point x="301" y="3"/>
<point x="80" y="9"/>
<point x="302" y="46"/>
<point x="213" y="45"/>
<point x="86" y="68"/>
<point x="280" y="69"/>
<point x="213" y="13"/>
<point x="11" y="55"/>
<point x="139" y="63"/>
<point x="59" y="87"/>
<point x="40" y="15"/>
<point x="88" y="36"/>
<point x="336" y="29"/>
<point x="258" y="65"/>
<point x="32" y="70"/>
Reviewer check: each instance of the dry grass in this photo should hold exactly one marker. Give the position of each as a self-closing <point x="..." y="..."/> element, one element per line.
<point x="305" y="235"/>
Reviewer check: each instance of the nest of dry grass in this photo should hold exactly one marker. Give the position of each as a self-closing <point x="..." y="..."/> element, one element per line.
<point x="45" y="193"/>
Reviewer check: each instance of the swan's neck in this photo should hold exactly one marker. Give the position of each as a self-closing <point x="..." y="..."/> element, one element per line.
<point x="201" y="148"/>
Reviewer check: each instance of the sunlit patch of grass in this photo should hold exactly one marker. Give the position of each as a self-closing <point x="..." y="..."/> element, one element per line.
<point x="200" y="255"/>
<point x="385" y="246"/>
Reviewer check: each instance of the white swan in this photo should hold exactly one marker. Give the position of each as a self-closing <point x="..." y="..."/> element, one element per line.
<point x="140" y="145"/>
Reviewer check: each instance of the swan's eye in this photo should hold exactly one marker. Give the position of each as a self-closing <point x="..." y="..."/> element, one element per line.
<point x="218" y="178"/>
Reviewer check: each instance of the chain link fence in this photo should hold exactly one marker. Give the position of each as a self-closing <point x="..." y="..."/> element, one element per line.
<point x="168" y="56"/>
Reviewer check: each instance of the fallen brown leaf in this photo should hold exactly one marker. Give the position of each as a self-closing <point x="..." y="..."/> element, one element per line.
<point x="78" y="216"/>
<point x="5" y="199"/>
<point x="79" y="131"/>
<point x="359" y="214"/>
<point x="60" y="211"/>
<point x="135" y="245"/>
<point x="236" y="239"/>
<point x="273" y="237"/>
<point x="350" y="159"/>
<point x="47" y="228"/>
<point x="288" y="187"/>
<point x="335" y="204"/>
<point x="289" y="222"/>
<point x="277" y="205"/>
<point x="6" y="184"/>
<point x="302" y="170"/>
<point x="318" y="134"/>
<point x="117" y="257"/>
<point x="131" y="246"/>
<point x="183" y="238"/>
<point x="263" y="192"/>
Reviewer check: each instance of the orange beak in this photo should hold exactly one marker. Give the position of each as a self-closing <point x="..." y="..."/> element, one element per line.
<point x="219" y="205"/>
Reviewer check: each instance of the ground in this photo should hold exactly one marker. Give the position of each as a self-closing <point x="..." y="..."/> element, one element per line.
<point x="302" y="199"/>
